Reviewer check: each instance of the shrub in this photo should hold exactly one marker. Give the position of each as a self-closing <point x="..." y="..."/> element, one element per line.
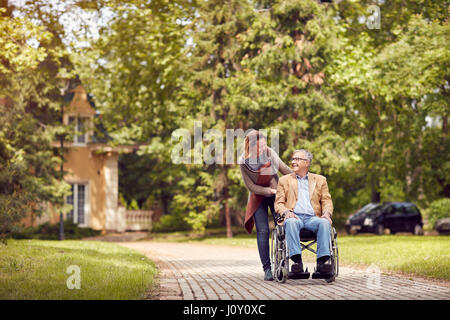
<point x="170" y="223"/>
<point x="47" y="231"/>
<point x="439" y="209"/>
<point x="133" y="205"/>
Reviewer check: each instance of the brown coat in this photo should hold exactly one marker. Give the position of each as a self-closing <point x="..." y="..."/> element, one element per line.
<point x="287" y="194"/>
<point x="259" y="184"/>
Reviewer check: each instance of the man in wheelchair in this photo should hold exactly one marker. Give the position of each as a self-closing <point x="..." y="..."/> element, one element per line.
<point x="304" y="202"/>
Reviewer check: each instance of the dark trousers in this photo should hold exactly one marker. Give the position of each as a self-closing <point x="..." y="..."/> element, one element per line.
<point x="262" y="229"/>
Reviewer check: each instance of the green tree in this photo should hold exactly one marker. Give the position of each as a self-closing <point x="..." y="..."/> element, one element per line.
<point x="29" y="91"/>
<point x="418" y="80"/>
<point x="216" y="93"/>
<point x="364" y="101"/>
<point x="132" y="68"/>
<point x="390" y="89"/>
<point x="290" y="45"/>
<point x="134" y="71"/>
<point x="250" y="65"/>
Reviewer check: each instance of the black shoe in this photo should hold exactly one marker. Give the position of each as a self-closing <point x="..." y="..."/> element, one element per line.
<point x="297" y="268"/>
<point x="297" y="258"/>
<point x="322" y="266"/>
<point x="297" y="271"/>
<point x="323" y="259"/>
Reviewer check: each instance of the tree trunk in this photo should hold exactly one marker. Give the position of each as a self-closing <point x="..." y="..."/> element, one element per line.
<point x="165" y="203"/>
<point x="4" y="4"/>
<point x="445" y="124"/>
<point x="228" y="219"/>
<point x="376" y="195"/>
<point x="226" y="197"/>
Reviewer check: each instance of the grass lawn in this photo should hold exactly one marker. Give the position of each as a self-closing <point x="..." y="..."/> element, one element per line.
<point x="37" y="269"/>
<point x="425" y="256"/>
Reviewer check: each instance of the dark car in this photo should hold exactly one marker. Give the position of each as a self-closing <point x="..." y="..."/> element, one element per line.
<point x="395" y="216"/>
<point x="355" y="222"/>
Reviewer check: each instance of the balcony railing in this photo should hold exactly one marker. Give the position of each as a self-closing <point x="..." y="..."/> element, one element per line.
<point x="138" y="220"/>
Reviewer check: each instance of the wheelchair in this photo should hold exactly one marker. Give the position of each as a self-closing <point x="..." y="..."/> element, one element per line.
<point x="280" y="256"/>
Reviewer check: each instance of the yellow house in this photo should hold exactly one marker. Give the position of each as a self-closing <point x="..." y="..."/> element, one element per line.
<point x="91" y="168"/>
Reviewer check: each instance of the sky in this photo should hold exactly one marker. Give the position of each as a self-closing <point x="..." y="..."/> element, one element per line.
<point x="72" y="18"/>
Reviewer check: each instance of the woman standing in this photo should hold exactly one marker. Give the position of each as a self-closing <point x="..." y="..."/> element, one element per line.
<point x="259" y="166"/>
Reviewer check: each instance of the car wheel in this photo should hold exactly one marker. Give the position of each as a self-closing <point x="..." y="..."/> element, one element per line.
<point x="418" y="230"/>
<point x="379" y="230"/>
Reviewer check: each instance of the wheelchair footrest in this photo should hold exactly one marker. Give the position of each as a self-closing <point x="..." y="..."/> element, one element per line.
<point x="322" y="275"/>
<point x="298" y="275"/>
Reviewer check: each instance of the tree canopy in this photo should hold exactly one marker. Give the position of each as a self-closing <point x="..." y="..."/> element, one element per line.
<point x="363" y="85"/>
<point x="30" y="96"/>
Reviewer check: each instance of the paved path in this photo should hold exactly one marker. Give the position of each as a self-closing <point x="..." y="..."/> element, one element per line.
<point x="205" y="272"/>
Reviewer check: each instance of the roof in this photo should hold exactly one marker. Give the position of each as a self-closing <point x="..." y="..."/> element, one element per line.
<point x="80" y="103"/>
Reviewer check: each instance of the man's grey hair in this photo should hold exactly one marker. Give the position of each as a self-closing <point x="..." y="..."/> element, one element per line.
<point x="308" y="154"/>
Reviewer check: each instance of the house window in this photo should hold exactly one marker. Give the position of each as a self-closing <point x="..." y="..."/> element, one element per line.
<point x="81" y="129"/>
<point x="79" y="201"/>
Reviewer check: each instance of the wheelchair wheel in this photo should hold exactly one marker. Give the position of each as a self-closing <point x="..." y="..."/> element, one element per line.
<point x="278" y="254"/>
<point x="334" y="256"/>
